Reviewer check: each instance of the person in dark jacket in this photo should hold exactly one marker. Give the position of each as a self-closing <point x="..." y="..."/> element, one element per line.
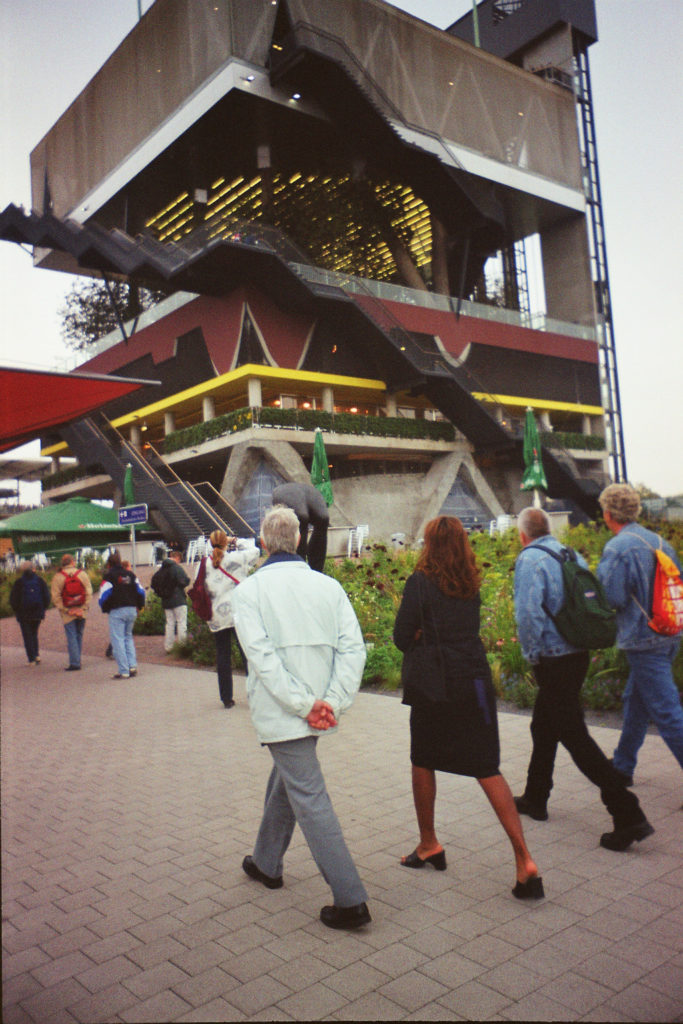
<point x="121" y="596"/>
<point x="170" y="583"/>
<point x="447" y="683"/>
<point x="29" y="599"/>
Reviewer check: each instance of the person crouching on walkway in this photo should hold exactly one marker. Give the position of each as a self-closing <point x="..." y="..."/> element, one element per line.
<point x="306" y="657"/>
<point x="447" y="683"/>
<point x="71" y="592"/>
<point x="228" y="565"/>
<point x="559" y="670"/>
<point x="121" y="597"/>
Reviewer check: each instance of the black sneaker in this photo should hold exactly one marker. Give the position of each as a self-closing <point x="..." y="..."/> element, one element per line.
<point x="536" y="811"/>
<point x="345" y="917"/>
<point x="622" y="838"/>
<point x="626" y="779"/>
<point x="250" y="869"/>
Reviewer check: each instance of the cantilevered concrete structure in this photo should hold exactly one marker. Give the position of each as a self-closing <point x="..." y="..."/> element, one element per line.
<point x="342" y="203"/>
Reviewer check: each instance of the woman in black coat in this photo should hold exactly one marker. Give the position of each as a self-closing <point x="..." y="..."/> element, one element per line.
<point x="447" y="683"/>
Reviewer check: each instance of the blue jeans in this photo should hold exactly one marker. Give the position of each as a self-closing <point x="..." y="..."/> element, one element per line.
<point x="74" y="640"/>
<point x="121" y="622"/>
<point x="296" y="793"/>
<point x="650" y="695"/>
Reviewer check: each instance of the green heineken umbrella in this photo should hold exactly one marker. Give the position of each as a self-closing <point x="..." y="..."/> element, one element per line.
<point x="320" y="473"/>
<point x="534" y="474"/>
<point x="64" y="526"/>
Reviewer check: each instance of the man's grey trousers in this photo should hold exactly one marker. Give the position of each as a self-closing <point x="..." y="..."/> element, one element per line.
<point x="296" y="793"/>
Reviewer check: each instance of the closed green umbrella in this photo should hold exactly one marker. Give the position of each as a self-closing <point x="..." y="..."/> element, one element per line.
<point x="128" y="488"/>
<point x="534" y="474"/>
<point x="320" y="472"/>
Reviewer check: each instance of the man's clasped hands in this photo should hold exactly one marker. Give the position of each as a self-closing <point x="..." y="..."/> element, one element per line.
<point x="321" y="716"/>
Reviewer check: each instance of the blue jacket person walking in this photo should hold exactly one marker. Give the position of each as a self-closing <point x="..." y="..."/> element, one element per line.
<point x="559" y="670"/>
<point x="627" y="570"/>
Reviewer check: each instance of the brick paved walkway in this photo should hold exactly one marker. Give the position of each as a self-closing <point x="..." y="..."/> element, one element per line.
<point x="127" y="809"/>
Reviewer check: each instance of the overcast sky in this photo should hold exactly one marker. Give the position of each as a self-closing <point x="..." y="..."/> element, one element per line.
<point x="49" y="50"/>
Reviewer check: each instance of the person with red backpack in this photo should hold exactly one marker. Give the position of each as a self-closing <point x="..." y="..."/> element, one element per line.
<point x="71" y="592"/>
<point x="649" y="626"/>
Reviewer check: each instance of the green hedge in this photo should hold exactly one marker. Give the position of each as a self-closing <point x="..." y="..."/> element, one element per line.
<point x="308" y="419"/>
<point x="67" y="476"/>
<point x="572" y="439"/>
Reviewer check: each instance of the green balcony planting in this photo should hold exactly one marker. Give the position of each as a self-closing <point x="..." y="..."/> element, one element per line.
<point x="307" y="419"/>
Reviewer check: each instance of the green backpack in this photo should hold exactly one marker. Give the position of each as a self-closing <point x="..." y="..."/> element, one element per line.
<point x="586" y="619"/>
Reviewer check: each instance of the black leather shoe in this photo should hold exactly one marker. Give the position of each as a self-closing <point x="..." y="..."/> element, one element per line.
<point x="227" y="704"/>
<point x="532" y="889"/>
<point x="345" y="917"/>
<point x="626" y="779"/>
<point x="73" y="668"/>
<point x="250" y="869"/>
<point x="622" y="838"/>
<point x="536" y="811"/>
<point x="437" y="860"/>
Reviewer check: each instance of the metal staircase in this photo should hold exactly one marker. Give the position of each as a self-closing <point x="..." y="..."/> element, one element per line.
<point x="178" y="509"/>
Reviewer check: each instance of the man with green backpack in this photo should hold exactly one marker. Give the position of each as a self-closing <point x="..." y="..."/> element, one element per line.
<point x="562" y="613"/>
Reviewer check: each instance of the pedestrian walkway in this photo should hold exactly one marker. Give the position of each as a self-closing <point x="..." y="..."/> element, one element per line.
<point x="128" y="805"/>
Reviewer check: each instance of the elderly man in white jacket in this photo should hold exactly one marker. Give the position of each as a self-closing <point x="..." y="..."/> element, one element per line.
<point x="306" y="656"/>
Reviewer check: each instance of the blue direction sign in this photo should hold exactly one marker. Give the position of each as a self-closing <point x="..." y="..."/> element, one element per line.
<point x="129" y="515"/>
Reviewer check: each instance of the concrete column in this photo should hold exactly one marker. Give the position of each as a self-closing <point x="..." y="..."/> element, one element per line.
<point x="169" y="423"/>
<point x="135" y="435"/>
<point x="208" y="408"/>
<point x="391" y="405"/>
<point x="587" y="425"/>
<point x="328" y="398"/>
<point x="545" y="420"/>
<point x="254" y="393"/>
<point x="54" y="465"/>
<point x="498" y="413"/>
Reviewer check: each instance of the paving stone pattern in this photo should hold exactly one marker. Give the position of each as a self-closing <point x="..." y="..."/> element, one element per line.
<point x="128" y="805"/>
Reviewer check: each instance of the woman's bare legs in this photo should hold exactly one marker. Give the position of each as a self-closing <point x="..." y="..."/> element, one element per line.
<point x="424" y="796"/>
<point x="500" y="798"/>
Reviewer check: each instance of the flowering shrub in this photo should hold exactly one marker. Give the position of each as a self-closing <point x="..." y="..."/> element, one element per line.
<point x="374" y="584"/>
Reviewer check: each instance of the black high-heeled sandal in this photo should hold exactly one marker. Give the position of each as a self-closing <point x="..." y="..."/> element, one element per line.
<point x="532" y="889"/>
<point x="437" y="860"/>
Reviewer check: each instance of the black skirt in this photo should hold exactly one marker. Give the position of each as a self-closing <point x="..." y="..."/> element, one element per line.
<point x="460" y="738"/>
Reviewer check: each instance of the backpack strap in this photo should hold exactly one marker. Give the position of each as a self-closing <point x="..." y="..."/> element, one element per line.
<point x="228" y="574"/>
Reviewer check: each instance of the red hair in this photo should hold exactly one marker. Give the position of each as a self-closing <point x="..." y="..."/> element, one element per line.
<point x="447" y="558"/>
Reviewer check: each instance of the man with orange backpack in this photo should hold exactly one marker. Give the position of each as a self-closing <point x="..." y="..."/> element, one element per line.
<point x="71" y="592"/>
<point x="641" y="575"/>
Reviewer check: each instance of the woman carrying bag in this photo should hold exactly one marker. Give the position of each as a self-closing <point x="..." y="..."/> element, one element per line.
<point x="447" y="683"/>
<point x="223" y="571"/>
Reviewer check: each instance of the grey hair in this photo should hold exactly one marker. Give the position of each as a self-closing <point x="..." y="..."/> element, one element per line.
<point x="533" y="522"/>
<point x="280" y="530"/>
<point x="621" y="501"/>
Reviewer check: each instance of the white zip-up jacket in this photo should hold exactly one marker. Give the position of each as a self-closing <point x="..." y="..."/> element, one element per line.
<point x="303" y="643"/>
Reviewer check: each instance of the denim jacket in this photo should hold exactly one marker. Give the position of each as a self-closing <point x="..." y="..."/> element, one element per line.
<point x="627" y="572"/>
<point x="538" y="581"/>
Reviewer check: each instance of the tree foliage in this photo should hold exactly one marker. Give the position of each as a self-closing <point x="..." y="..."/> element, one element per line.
<point x="92" y="309"/>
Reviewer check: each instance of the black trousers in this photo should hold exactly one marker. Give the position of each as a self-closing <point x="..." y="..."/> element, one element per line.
<point x="313" y="548"/>
<point x="223" y="638"/>
<point x="29" y="634"/>
<point x="558" y="718"/>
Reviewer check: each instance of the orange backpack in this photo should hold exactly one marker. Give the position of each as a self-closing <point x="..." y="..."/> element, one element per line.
<point x="667" y="596"/>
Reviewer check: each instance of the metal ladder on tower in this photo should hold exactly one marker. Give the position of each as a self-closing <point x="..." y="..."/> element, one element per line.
<point x="609" y="378"/>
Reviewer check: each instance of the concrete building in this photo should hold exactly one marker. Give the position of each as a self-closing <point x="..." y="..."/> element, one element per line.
<point x="362" y="223"/>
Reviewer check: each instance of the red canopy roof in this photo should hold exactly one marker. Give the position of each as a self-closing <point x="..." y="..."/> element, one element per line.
<point x="35" y="401"/>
